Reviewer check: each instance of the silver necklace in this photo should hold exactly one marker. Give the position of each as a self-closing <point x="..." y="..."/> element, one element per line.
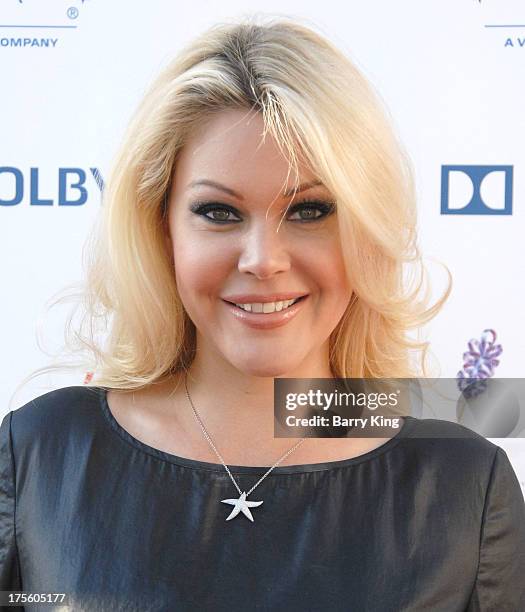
<point x="241" y="504"/>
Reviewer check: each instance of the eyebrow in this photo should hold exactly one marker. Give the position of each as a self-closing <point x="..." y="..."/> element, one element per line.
<point x="286" y="194"/>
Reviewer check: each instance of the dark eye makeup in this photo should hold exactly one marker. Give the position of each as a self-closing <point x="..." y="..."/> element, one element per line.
<point x="310" y="207"/>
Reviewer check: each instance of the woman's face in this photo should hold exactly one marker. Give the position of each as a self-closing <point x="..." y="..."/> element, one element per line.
<point x="228" y="250"/>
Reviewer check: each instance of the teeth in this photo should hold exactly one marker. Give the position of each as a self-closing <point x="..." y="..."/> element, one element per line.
<point x="267" y="307"/>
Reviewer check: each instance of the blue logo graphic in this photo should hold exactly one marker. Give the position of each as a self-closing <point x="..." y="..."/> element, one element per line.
<point x="476" y="190"/>
<point x="37" y="33"/>
<point x="72" y="190"/>
<point x="510" y="30"/>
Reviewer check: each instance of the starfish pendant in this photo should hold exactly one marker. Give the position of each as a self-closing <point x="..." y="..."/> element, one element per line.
<point x="241" y="505"/>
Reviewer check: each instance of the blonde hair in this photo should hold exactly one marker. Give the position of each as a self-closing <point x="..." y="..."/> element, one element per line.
<point x="317" y="105"/>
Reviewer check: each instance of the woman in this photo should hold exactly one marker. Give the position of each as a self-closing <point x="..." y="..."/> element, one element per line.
<point x="255" y="225"/>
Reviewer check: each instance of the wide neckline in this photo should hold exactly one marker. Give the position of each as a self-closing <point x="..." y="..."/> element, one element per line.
<point x="408" y="422"/>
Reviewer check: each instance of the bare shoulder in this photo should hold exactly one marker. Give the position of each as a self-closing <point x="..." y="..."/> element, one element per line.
<point x="151" y="415"/>
<point x="157" y="400"/>
<point x="133" y="410"/>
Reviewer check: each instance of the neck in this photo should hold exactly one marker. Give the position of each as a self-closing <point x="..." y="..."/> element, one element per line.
<point x="238" y="406"/>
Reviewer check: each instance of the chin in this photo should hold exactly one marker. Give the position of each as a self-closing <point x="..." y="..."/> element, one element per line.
<point x="273" y="368"/>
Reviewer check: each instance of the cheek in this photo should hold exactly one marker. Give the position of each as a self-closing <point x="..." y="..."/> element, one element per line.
<point x="200" y="267"/>
<point x="327" y="268"/>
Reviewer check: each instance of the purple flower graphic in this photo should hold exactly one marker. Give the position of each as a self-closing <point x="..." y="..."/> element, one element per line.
<point x="479" y="363"/>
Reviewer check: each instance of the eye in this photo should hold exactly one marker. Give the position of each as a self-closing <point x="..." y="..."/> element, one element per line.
<point x="311" y="208"/>
<point x="308" y="211"/>
<point x="221" y="213"/>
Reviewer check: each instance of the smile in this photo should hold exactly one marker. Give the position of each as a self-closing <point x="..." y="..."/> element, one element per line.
<point x="266" y="315"/>
<point x="267" y="307"/>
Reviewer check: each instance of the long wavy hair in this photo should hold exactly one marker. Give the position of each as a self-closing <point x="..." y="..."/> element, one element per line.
<point x="134" y="330"/>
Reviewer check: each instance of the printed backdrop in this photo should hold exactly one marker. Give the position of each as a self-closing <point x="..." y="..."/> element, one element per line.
<point x="451" y="72"/>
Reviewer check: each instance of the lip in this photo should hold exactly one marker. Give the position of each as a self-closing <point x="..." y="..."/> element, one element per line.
<point x="250" y="298"/>
<point x="269" y="320"/>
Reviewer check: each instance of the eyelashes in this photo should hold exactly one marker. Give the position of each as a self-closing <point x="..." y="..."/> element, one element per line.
<point x="315" y="210"/>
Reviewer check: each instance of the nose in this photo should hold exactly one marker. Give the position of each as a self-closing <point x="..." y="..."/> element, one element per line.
<point x="264" y="251"/>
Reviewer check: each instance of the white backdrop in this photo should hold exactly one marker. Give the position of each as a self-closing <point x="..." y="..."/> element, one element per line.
<point x="451" y="72"/>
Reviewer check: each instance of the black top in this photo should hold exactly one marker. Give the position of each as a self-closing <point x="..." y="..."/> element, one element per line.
<point x="433" y="520"/>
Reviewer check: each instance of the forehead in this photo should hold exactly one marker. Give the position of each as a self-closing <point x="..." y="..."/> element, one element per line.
<point x="229" y="148"/>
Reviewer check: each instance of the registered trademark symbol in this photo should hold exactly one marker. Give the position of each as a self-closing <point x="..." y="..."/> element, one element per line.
<point x="72" y="12"/>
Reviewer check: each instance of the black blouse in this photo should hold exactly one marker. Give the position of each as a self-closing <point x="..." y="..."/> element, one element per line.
<point x="433" y="520"/>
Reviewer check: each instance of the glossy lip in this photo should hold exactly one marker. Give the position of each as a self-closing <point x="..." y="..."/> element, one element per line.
<point x="251" y="298"/>
<point x="269" y="320"/>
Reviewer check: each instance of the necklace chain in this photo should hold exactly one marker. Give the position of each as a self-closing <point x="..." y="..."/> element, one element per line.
<point x="208" y="437"/>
